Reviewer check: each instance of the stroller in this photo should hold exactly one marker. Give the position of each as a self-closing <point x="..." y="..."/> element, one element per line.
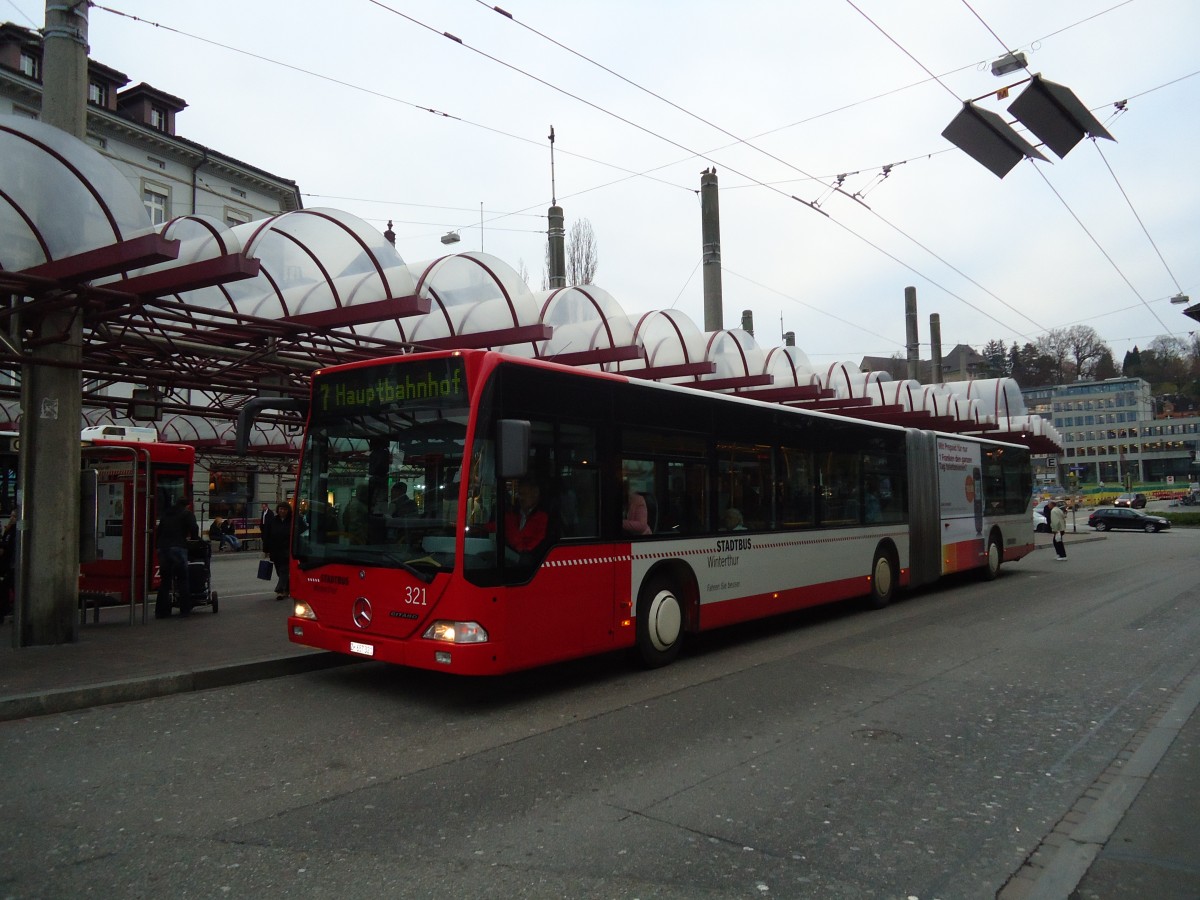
<point x="199" y="578"/>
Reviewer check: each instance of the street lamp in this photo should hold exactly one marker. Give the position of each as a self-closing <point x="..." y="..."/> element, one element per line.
<point x="451" y="237"/>
<point x="1009" y="62"/>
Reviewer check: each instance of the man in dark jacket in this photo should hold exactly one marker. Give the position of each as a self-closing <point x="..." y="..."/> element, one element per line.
<point x="277" y="546"/>
<point x="174" y="528"/>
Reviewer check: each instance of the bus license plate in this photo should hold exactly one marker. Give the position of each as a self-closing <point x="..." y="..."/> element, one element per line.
<point x="364" y="649"/>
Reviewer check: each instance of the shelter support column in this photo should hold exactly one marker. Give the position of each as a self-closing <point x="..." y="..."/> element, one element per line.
<point x="51" y="391"/>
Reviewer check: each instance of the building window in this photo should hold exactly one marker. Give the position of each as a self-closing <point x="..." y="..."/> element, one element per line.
<point x="235" y="217"/>
<point x="237" y="192"/>
<point x="31" y="66"/>
<point x="157" y="199"/>
<point x="155" y="161"/>
<point x="229" y="496"/>
<point x="98" y="93"/>
<point x="158" y="118"/>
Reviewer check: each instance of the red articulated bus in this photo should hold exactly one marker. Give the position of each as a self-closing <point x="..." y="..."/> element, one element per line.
<point x="751" y="509"/>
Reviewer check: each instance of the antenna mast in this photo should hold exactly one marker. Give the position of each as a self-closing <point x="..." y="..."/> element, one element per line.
<point x="553" y="193"/>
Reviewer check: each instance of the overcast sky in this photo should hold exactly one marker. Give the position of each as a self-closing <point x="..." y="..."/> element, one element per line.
<point x="335" y="96"/>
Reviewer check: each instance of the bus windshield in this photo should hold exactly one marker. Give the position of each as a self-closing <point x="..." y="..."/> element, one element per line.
<point x="379" y="486"/>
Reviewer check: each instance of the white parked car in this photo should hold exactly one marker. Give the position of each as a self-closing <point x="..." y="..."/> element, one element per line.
<point x="1040" y="522"/>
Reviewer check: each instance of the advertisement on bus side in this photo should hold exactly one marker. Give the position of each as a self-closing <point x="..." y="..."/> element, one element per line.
<point x="960" y="489"/>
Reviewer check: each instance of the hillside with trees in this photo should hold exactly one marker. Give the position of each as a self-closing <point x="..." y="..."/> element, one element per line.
<point x="1170" y="364"/>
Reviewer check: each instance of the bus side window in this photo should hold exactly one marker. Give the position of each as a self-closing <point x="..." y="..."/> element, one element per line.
<point x="841" y="482"/>
<point x="579" y="481"/>
<point x="578" y="506"/>
<point x="637" y="480"/>
<point x="794" y="494"/>
<point x="686" y="508"/>
<point x="744" y="472"/>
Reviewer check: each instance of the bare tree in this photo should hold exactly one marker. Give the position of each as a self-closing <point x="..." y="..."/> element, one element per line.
<point x="1075" y="352"/>
<point x="583" y="253"/>
<point x="1054" y="346"/>
<point x="1086" y="348"/>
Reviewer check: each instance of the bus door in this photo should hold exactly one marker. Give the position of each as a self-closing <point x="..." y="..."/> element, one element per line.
<point x="562" y="592"/>
<point x="131" y="491"/>
<point x="114" y="563"/>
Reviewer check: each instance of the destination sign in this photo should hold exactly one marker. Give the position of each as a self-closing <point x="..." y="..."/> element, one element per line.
<point x="406" y="384"/>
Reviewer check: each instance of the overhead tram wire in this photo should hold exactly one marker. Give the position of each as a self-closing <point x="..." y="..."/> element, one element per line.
<point x="933" y="78"/>
<point x="1103" y="252"/>
<point x="815" y="309"/>
<point x="1039" y="171"/>
<point x="1079" y="221"/>
<point x="417" y="205"/>
<point x="502" y="133"/>
<point x="687" y="149"/>
<point x="378" y="94"/>
<point x="597" y="107"/>
<point x="1145" y="230"/>
<point x="904" y="50"/>
<point x="1120" y="109"/>
<point x="747" y="143"/>
<point x="706" y="157"/>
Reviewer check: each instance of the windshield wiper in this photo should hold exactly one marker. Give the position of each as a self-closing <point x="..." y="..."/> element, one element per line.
<point x="410" y="566"/>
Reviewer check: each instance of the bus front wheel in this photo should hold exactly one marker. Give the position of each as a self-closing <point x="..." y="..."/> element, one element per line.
<point x="884" y="576"/>
<point x="659" y="623"/>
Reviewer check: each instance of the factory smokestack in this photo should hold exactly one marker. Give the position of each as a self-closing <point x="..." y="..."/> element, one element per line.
<point x="910" y="328"/>
<point x="710" y="236"/>
<point x="935" y="346"/>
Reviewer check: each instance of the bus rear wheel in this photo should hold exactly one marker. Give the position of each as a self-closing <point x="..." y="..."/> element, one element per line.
<point x="993" y="559"/>
<point x="884" y="576"/>
<point x="659" y="623"/>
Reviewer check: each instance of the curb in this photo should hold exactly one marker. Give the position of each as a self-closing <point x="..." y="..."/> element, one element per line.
<point x="1080" y="836"/>
<point x="25" y="706"/>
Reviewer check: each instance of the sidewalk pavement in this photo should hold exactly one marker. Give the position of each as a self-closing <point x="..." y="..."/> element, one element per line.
<point x="1134" y="834"/>
<point x="115" y="662"/>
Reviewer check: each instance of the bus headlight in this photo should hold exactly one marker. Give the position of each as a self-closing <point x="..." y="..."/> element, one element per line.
<point x="456" y="632"/>
<point x="303" y="611"/>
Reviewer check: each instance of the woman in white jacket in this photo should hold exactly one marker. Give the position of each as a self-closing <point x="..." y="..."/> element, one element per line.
<point x="1058" y="525"/>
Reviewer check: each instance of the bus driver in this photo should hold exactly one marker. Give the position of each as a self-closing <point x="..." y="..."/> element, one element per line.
<point x="526" y="525"/>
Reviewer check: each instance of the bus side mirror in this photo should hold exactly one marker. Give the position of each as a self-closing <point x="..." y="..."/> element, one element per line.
<point x="251" y="408"/>
<point x="512" y="447"/>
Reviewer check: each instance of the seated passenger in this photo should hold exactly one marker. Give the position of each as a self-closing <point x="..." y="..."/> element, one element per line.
<point x="400" y="503"/>
<point x="732" y="520"/>
<point x="354" y="517"/>
<point x="636" y="518"/>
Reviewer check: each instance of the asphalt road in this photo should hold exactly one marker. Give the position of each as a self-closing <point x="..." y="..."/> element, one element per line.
<point x="925" y="750"/>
